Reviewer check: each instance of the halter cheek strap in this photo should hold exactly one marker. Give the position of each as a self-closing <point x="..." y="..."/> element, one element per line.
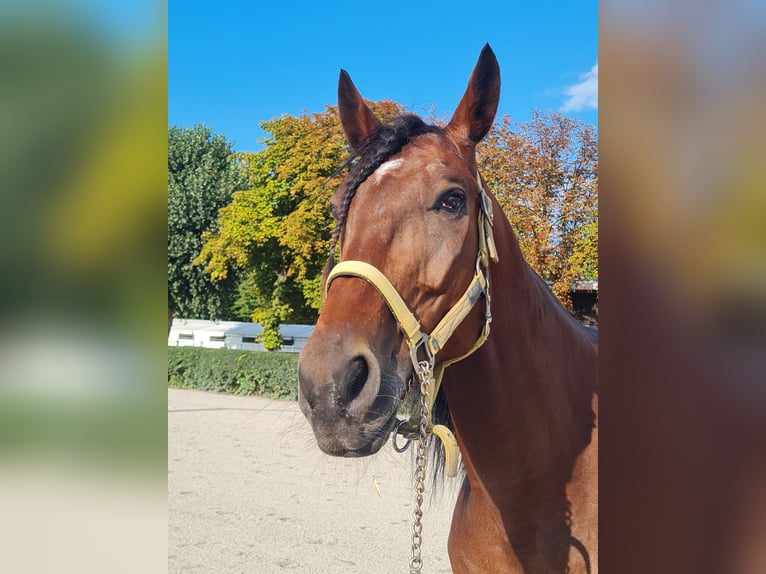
<point x="434" y="342"/>
<point x="408" y="324"/>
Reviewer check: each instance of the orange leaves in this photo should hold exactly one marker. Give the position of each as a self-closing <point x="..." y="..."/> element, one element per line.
<point x="544" y="174"/>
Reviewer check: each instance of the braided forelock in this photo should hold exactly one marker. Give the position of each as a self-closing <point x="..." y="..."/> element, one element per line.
<point x="375" y="149"/>
<point x="379" y="145"/>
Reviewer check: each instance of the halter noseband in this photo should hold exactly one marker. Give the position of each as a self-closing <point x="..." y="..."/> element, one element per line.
<point x="410" y="326"/>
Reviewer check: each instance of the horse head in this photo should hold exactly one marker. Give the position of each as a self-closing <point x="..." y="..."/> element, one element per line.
<point x="408" y="209"/>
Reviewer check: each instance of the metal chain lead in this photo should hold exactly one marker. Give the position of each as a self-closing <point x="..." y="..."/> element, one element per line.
<point x="425" y="374"/>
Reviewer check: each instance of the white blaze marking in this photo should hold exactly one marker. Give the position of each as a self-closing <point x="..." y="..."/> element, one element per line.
<point x="385" y="168"/>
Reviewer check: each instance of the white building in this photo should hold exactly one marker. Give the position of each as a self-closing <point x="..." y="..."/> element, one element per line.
<point x="233" y="335"/>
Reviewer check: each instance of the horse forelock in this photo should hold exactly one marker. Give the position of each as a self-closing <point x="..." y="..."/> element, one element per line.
<point x="377" y="148"/>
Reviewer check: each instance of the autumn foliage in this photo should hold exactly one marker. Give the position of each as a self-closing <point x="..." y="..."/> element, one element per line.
<point x="275" y="234"/>
<point x="544" y="174"/>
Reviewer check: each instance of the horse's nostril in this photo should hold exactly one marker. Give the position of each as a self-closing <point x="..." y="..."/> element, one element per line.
<point x="357" y="377"/>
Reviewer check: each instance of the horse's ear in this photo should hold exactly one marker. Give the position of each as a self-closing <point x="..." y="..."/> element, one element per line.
<point x="356" y="117"/>
<point x="476" y="111"/>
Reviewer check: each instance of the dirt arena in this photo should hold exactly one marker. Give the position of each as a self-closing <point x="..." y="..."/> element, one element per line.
<point x="250" y="492"/>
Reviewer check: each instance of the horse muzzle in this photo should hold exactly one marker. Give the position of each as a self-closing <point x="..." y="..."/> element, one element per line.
<point x="351" y="412"/>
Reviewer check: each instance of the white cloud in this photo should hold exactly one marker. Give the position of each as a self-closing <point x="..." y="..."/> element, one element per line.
<point x="584" y="94"/>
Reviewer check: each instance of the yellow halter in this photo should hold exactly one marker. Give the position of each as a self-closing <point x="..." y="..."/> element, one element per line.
<point x="432" y="343"/>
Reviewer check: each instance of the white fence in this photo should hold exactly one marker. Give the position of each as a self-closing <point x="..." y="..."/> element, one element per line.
<point x="233" y="335"/>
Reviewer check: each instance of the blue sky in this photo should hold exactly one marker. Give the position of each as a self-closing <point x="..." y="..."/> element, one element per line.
<point x="235" y="64"/>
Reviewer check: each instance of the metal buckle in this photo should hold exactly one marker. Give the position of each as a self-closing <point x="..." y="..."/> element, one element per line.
<point x="408" y="435"/>
<point x="422" y="342"/>
<point x="486" y="206"/>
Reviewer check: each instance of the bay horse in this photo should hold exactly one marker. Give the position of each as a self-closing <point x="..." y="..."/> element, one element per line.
<point x="419" y="249"/>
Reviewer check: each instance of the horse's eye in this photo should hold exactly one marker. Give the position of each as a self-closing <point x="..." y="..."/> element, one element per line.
<point x="453" y="201"/>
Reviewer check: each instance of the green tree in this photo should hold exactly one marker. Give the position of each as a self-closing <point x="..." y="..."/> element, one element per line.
<point x="584" y="258"/>
<point x="276" y="233"/>
<point x="202" y="176"/>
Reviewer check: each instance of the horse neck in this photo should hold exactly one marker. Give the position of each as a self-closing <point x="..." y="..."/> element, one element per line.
<point x="523" y="400"/>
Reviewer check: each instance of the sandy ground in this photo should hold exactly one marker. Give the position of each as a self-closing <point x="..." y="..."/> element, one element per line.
<point x="250" y="492"/>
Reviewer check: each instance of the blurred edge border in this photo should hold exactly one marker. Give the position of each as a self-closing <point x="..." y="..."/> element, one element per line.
<point x="683" y="288"/>
<point x="682" y="302"/>
<point x="83" y="418"/>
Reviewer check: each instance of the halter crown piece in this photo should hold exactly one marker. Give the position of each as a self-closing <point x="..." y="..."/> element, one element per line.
<point x="432" y="343"/>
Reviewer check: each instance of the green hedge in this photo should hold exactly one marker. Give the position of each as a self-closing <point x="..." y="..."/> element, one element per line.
<point x="272" y="375"/>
